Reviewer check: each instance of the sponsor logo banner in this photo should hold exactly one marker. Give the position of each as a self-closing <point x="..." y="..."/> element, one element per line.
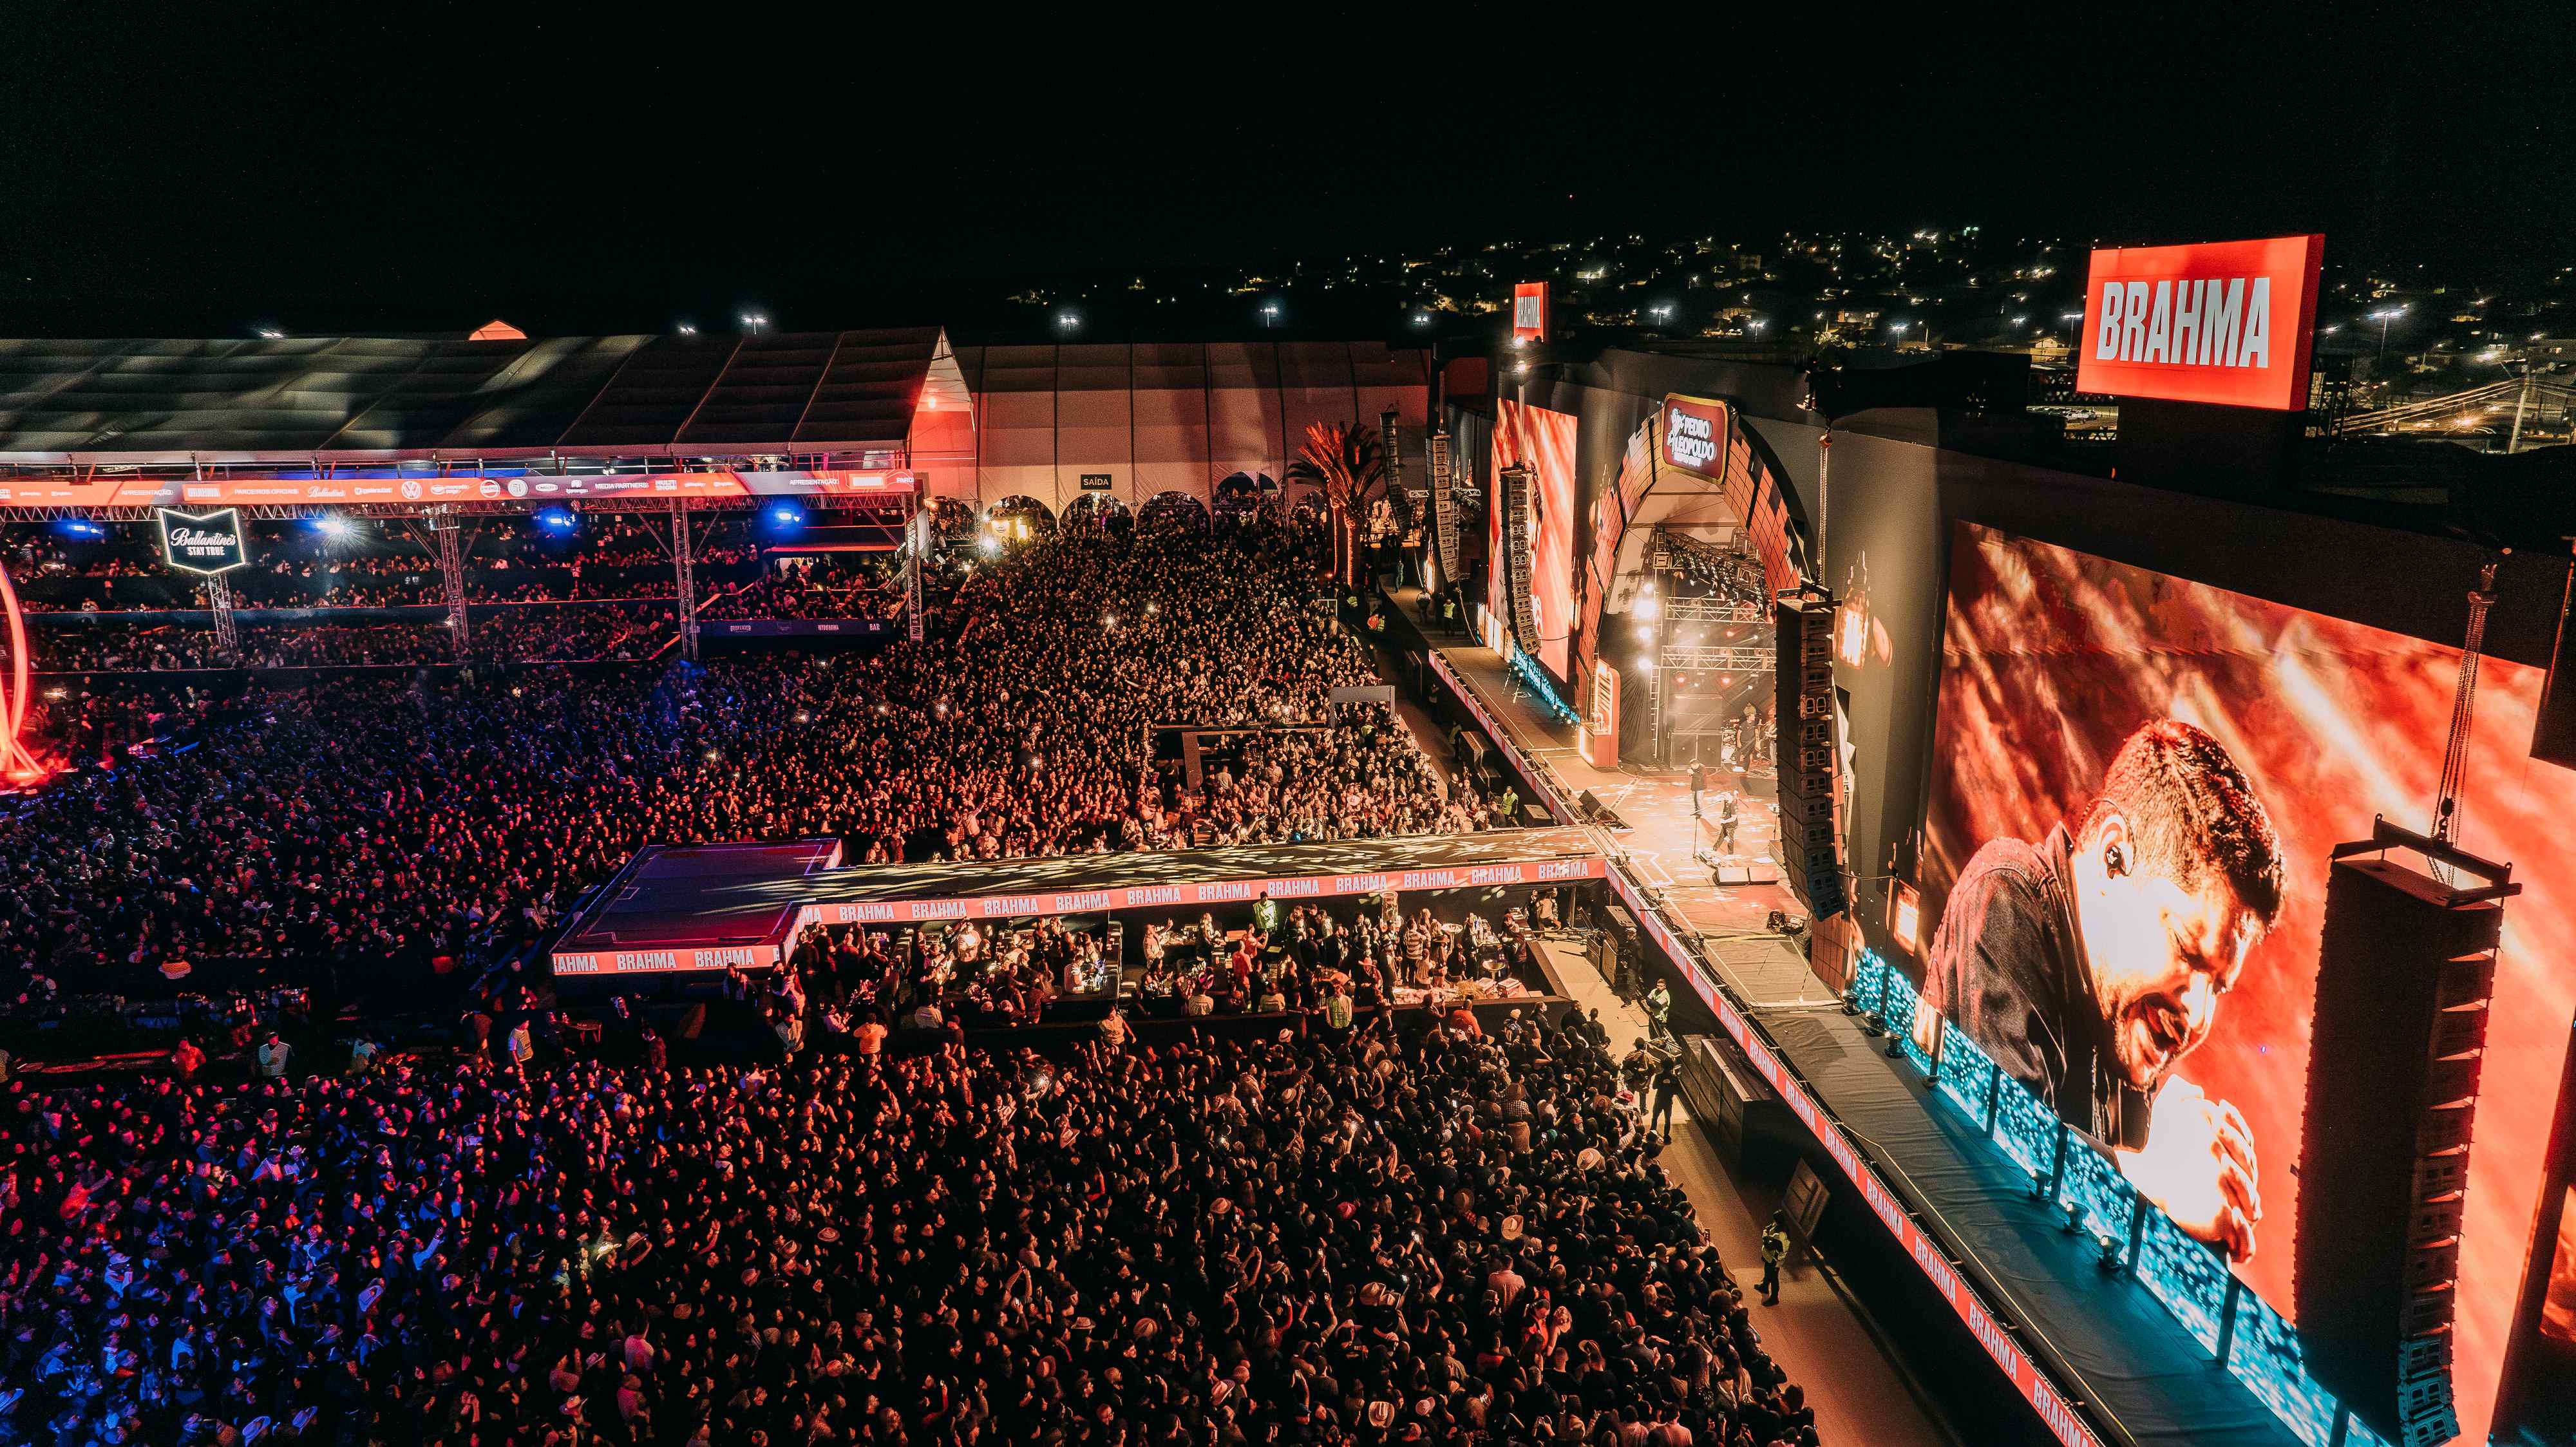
<point x="1694" y="436"/>
<point x="640" y="962"/>
<point x="1159" y="896"/>
<point x="1529" y="311"/>
<point x="206" y="543"/>
<point x="461" y="485"/>
<point x="2225" y="322"/>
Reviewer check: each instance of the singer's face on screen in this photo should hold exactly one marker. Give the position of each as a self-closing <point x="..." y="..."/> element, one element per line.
<point x="2163" y="957"/>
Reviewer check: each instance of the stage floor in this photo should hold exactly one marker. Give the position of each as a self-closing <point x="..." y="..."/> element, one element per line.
<point x="1659" y="836"/>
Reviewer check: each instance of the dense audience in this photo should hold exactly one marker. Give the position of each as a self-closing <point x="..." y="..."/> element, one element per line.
<point x="1366" y="1228"/>
<point x="1312" y="956"/>
<point x="112" y="568"/>
<point x="1000" y="974"/>
<point x="809" y="593"/>
<point x="1371" y="1236"/>
<point x="391" y="820"/>
<point x="582" y="633"/>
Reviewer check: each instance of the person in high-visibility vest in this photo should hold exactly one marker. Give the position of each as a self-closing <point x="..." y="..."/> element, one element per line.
<point x="1775" y="1249"/>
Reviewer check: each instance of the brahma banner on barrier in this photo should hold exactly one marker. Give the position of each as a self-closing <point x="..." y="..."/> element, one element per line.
<point x="1231" y="891"/>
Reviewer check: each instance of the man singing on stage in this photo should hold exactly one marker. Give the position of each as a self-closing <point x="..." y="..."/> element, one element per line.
<point x="2088" y="965"/>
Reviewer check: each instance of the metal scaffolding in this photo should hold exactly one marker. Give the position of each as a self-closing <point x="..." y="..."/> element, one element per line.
<point x="219" y="599"/>
<point x="1724" y="658"/>
<point x="451" y="573"/>
<point x="916" y="547"/>
<point x="1716" y="610"/>
<point x="684" y="574"/>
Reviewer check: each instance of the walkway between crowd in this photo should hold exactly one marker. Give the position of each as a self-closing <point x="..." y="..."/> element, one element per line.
<point x="1817" y="1332"/>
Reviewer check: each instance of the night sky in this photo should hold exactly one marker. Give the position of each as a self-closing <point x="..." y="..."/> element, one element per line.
<point x="204" y="169"/>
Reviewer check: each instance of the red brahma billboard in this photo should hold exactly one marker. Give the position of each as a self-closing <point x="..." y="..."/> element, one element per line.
<point x="1529" y="312"/>
<point x="2228" y="322"/>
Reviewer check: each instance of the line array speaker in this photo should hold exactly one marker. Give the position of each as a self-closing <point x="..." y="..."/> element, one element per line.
<point x="2407" y="962"/>
<point x="1804" y="678"/>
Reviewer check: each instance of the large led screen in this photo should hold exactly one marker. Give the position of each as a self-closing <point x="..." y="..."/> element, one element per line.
<point x="1610" y="513"/>
<point x="1543" y="441"/>
<point x="2137" y="783"/>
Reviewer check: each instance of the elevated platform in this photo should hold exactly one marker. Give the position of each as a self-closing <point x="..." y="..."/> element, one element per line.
<point x="693" y="907"/>
<point x="1192" y="879"/>
<point x="716" y="906"/>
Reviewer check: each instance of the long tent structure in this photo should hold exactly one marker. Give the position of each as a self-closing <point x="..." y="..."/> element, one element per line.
<point x="119" y="427"/>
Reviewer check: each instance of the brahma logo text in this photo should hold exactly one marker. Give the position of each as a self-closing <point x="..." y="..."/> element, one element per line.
<point x="2207" y="322"/>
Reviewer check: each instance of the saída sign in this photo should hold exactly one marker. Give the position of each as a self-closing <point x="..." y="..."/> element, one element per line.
<point x="2225" y="322"/>
<point x="206" y="543"/>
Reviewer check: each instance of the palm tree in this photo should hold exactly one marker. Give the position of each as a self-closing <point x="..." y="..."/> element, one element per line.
<point x="1348" y="465"/>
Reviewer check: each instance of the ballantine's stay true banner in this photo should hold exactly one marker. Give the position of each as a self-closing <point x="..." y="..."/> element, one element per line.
<point x="207" y="543"/>
<point x="2228" y="322"/>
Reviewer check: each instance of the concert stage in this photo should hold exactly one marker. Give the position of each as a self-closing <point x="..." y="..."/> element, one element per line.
<point x="2098" y="1358"/>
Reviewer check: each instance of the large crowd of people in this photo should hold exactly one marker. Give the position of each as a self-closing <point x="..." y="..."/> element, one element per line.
<point x="1309" y="959"/>
<point x="388" y="820"/>
<point x="363" y="564"/>
<point x="574" y="633"/>
<point x="1367" y="1227"/>
<point x="810" y="591"/>
<point x="1375" y="1235"/>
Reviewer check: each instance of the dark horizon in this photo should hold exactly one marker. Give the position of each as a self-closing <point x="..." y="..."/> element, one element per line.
<point x="212" y="173"/>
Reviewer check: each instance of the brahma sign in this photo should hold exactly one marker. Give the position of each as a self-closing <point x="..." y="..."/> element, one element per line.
<point x="2227" y="322"/>
<point x="1529" y="312"/>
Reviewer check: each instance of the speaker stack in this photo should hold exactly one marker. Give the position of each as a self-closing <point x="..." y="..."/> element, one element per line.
<point x="1805" y="680"/>
<point x="1516" y="542"/>
<point x="2407" y="962"/>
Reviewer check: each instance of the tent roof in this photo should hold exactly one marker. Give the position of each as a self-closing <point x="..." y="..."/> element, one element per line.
<point x="136" y="401"/>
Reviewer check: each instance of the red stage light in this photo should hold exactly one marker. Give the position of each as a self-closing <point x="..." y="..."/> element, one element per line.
<point x="18" y="764"/>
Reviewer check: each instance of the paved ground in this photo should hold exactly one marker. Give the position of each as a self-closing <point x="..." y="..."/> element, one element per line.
<point x="1861" y="1398"/>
